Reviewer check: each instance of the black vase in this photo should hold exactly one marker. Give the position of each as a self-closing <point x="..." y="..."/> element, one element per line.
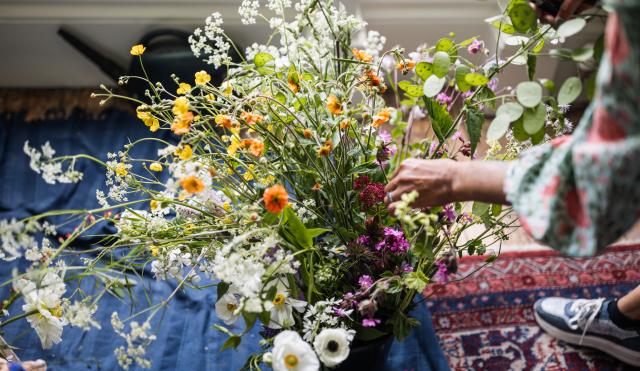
<point x="369" y="356"/>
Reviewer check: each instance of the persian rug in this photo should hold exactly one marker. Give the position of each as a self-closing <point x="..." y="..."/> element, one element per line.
<point x="486" y="321"/>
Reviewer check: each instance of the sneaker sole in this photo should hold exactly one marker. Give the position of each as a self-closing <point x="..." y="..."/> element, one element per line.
<point x="615" y="350"/>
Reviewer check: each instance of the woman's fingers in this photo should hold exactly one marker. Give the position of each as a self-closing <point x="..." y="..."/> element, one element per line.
<point x="568" y="8"/>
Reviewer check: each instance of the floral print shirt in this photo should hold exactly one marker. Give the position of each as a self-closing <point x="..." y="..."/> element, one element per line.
<point x="580" y="193"/>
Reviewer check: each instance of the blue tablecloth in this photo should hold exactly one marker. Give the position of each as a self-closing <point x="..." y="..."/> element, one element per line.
<point x="185" y="337"/>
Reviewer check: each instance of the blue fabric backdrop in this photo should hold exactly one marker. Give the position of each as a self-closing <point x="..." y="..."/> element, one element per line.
<point x="185" y="337"/>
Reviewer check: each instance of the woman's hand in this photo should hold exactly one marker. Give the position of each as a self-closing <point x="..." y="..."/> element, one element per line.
<point x="38" y="365"/>
<point x="439" y="182"/>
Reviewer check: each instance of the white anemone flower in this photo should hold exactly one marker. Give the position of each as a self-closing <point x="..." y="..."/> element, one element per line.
<point x="332" y="346"/>
<point x="291" y="353"/>
<point x="283" y="306"/>
<point x="227" y="308"/>
<point x="46" y="302"/>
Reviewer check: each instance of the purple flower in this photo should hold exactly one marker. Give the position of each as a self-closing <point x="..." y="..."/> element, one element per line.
<point x="467" y="218"/>
<point x="393" y="241"/>
<point x="493" y="84"/>
<point x="441" y="275"/>
<point x="360" y="182"/>
<point x="457" y="135"/>
<point x="339" y="312"/>
<point x="432" y="147"/>
<point x="385" y="137"/>
<point x="450" y="213"/>
<point x="467" y="94"/>
<point x="475" y="46"/>
<point x="365" y="282"/>
<point x="406" y="268"/>
<point x="443" y="98"/>
<point x="364" y="240"/>
<point x="370" y="322"/>
<point x="372" y="194"/>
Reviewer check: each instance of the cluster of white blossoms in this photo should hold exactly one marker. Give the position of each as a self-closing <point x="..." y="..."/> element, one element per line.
<point x="137" y="342"/>
<point x="211" y="43"/>
<point x="323" y="314"/>
<point x="173" y="265"/>
<point x="43" y="162"/>
<point x="118" y="178"/>
<point x="248" y="11"/>
<point x="331" y="346"/>
<point x="17" y="236"/>
<point x="304" y="211"/>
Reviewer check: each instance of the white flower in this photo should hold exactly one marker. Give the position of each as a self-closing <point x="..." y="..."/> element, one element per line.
<point x="46" y="302"/>
<point x="332" y="346"/>
<point x="283" y="305"/>
<point x="291" y="353"/>
<point x="80" y="314"/>
<point x="227" y="308"/>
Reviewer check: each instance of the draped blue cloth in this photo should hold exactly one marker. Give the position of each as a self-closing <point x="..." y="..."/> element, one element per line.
<point x="185" y="337"/>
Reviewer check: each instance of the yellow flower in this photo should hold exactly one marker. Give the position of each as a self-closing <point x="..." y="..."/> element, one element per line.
<point x="154" y="250"/>
<point x="210" y="97"/>
<point x="224" y="120"/>
<point x="307" y="133"/>
<point x="227" y="88"/>
<point x="183" y="88"/>
<point x="148" y="119"/>
<point x="334" y="105"/>
<point x="234" y="146"/>
<point x="269" y="179"/>
<point x="154" y="204"/>
<point x="121" y="170"/>
<point x="182" y="123"/>
<point x="324" y="150"/>
<point x="345" y="124"/>
<point x="184" y="153"/>
<point x="137" y="50"/>
<point x="156" y="166"/>
<point x="226" y="206"/>
<point x="202" y="78"/>
<point x="192" y="184"/>
<point x="180" y="106"/>
<point x="248" y="175"/>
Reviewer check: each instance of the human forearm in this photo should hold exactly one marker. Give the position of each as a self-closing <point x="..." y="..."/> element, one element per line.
<point x="479" y="181"/>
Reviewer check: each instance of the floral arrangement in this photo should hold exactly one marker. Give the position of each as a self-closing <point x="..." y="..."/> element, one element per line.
<point x="274" y="187"/>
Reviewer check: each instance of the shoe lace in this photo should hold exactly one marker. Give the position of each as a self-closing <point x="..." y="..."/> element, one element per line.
<point x="586" y="312"/>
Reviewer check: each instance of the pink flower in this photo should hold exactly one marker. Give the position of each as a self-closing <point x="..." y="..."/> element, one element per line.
<point x="360" y="182"/>
<point x="365" y="282"/>
<point x="370" y="322"/>
<point x="475" y="46"/>
<point x="442" y="275"/>
<point x="393" y="241"/>
<point x="443" y="98"/>
<point x="385" y="137"/>
<point x="372" y="194"/>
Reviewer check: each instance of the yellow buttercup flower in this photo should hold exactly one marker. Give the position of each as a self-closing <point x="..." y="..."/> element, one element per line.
<point x="180" y="106"/>
<point x="226" y="206"/>
<point x="155" y="166"/>
<point x="192" y="184"/>
<point x="184" y="153"/>
<point x="121" y="170"/>
<point x="183" y="88"/>
<point x="182" y="123"/>
<point x="148" y="119"/>
<point x="154" y="204"/>
<point x="227" y="88"/>
<point x="234" y="146"/>
<point x="248" y="175"/>
<point x="202" y="78"/>
<point x="137" y="50"/>
<point x="154" y="250"/>
<point x="210" y="97"/>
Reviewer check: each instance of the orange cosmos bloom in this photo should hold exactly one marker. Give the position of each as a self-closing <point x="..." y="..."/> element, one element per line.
<point x="373" y="79"/>
<point x="275" y="199"/>
<point x="307" y="133"/>
<point x="192" y="184"/>
<point x="293" y="85"/>
<point x="251" y="118"/>
<point x="345" y="124"/>
<point x="362" y="56"/>
<point x="256" y="148"/>
<point x="181" y="123"/>
<point x="224" y="120"/>
<point x="316" y="187"/>
<point x="326" y="149"/>
<point x="381" y="117"/>
<point x="334" y="105"/>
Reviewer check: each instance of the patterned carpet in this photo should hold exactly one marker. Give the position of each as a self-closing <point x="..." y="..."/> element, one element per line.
<point x="486" y="321"/>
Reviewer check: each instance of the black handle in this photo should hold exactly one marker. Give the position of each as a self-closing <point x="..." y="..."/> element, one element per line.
<point x="553" y="6"/>
<point x="178" y="34"/>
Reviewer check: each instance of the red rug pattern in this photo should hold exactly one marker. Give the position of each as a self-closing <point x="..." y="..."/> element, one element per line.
<point x="486" y="322"/>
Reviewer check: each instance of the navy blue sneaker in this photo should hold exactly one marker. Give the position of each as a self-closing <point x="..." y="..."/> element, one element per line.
<point x="586" y="323"/>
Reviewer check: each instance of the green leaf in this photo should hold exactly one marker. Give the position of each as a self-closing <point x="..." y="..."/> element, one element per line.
<point x="538" y="47"/>
<point x="441" y="64"/>
<point x="598" y="48"/>
<point x="522" y="15"/>
<point x="445" y="45"/>
<point x="293" y="230"/>
<point x="538" y="137"/>
<point x="411" y="90"/>
<point x="265" y="317"/>
<point x="424" y="70"/>
<point x="231" y="342"/>
<point x="533" y="119"/>
<point x="562" y="53"/>
<point x="261" y="59"/>
<point x="590" y="86"/>
<point x="487" y="96"/>
<point x="496" y="209"/>
<point x="461" y="72"/>
<point x="570" y="90"/>
<point x="548" y="84"/>
<point x="504" y="27"/>
<point x="476" y="79"/>
<point x="367" y="334"/>
<point x="475" y="120"/>
<point x="222" y="289"/>
<point x="468" y="41"/>
<point x="498" y="128"/>
<point x="571" y="27"/>
<point x="529" y="93"/>
<point x="433" y="85"/>
<point x="531" y="65"/>
<point x="249" y="319"/>
<point x="404" y="85"/>
<point x="315" y="232"/>
<point x="480" y="209"/>
<point x="582" y="54"/>
<point x="491" y="258"/>
<point x="416" y="281"/>
<point x="519" y="133"/>
<point x="441" y="121"/>
<point x="512" y="110"/>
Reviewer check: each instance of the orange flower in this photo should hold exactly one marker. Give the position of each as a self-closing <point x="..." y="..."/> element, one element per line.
<point x="326" y="149"/>
<point x="224" y="120"/>
<point x="316" y="187"/>
<point x="251" y="118"/>
<point x="275" y="198"/>
<point x="406" y="65"/>
<point x="381" y="117"/>
<point x="373" y="79"/>
<point x="345" y="124"/>
<point x="334" y="105"/>
<point x="293" y="85"/>
<point x="362" y="56"/>
<point x="192" y="184"/>
<point x="307" y="133"/>
<point x="256" y="148"/>
<point x="181" y="123"/>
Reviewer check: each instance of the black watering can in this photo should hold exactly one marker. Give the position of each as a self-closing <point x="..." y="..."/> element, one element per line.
<point x="167" y="52"/>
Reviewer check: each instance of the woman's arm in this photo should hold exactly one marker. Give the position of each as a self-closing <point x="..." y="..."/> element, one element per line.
<point x="439" y="182"/>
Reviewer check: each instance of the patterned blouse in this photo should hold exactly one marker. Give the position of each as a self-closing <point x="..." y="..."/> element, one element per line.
<point x="580" y="193"/>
